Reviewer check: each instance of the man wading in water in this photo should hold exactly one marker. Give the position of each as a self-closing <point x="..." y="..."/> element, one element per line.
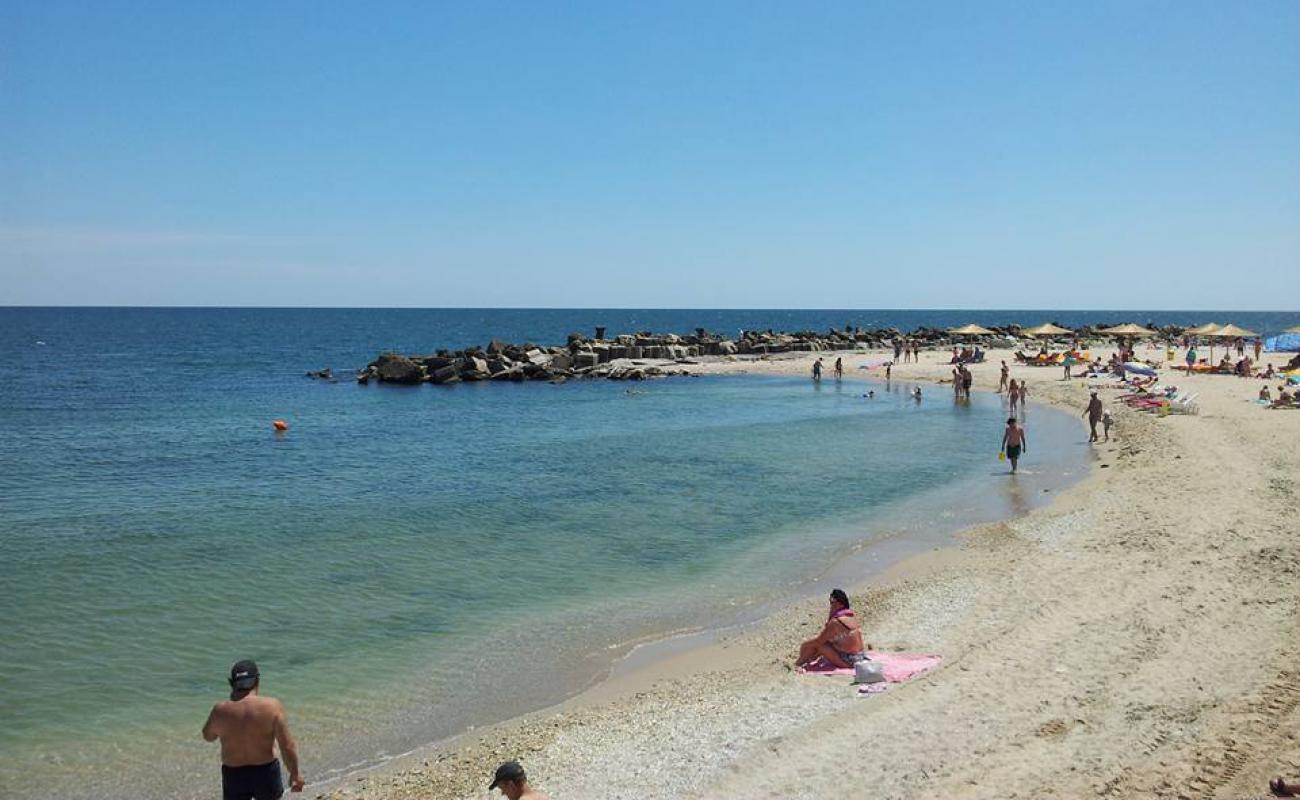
<point x="250" y="726"/>
<point x="1013" y="443"/>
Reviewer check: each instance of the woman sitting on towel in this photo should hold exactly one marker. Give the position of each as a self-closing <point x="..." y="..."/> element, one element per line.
<point x="840" y="641"/>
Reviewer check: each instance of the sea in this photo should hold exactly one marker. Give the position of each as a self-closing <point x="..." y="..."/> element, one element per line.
<point x="406" y="563"/>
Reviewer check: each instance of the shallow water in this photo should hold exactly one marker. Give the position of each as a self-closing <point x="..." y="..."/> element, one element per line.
<point x="405" y="562"/>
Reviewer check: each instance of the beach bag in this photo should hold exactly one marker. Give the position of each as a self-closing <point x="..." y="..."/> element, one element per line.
<point x="868" y="672"/>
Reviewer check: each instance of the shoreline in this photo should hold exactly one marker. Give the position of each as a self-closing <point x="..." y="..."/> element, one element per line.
<point x="1130" y="638"/>
<point x="642" y="662"/>
<point x="673" y="656"/>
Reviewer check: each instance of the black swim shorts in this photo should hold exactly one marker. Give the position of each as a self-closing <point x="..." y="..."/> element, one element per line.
<point x="1013" y="451"/>
<point x="256" y="782"/>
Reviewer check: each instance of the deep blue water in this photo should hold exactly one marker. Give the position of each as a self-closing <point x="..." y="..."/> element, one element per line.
<point x="383" y="556"/>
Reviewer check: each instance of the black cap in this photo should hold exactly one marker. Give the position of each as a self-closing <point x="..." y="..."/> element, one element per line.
<point x="243" y="675"/>
<point x="509" y="771"/>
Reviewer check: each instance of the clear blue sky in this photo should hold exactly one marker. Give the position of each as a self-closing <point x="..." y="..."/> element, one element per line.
<point x="694" y="154"/>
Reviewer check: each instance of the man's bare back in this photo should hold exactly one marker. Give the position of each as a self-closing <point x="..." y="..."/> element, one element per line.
<point x="247" y="728"/>
<point x="250" y="728"/>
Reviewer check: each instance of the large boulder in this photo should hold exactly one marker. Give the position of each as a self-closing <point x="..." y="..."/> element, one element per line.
<point x="475" y="369"/>
<point x="447" y="374"/>
<point x="392" y="368"/>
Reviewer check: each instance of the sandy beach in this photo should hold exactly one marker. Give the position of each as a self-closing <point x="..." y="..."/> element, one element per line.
<point x="1136" y="637"/>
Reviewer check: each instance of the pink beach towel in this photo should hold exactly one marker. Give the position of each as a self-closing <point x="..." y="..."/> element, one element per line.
<point x="896" y="667"/>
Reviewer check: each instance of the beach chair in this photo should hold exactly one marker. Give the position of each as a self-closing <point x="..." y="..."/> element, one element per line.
<point x="1184" y="404"/>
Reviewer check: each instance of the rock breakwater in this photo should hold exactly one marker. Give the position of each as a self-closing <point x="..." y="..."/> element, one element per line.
<point x="639" y="356"/>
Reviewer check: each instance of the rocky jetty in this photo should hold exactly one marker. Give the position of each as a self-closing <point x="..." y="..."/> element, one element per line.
<point x="640" y="356"/>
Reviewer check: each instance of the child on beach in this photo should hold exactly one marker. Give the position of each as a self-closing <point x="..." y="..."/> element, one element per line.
<point x="1013" y="443"/>
<point x="1105" y="423"/>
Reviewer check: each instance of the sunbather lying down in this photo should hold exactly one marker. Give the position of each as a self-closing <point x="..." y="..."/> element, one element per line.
<point x="840" y="641"/>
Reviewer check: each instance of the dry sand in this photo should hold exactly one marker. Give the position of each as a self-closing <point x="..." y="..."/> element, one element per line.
<point x="1136" y="638"/>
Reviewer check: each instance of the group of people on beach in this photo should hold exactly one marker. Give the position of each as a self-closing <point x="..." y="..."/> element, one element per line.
<point x="253" y="726"/>
<point x="906" y="351"/>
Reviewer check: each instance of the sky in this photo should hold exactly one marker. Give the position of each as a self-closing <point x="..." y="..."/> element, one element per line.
<point x="669" y="154"/>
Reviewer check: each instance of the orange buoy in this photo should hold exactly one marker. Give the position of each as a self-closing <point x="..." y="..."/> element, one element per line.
<point x="280" y="425"/>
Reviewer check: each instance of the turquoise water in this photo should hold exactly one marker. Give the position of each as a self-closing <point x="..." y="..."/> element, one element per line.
<point x="404" y="562"/>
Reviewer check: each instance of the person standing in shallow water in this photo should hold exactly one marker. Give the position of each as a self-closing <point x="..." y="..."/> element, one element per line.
<point x="817" y="370"/>
<point x="1002" y="381"/>
<point x="250" y="727"/>
<point x="1014" y="443"/>
<point x="839" y="368"/>
<point x="1093" y="413"/>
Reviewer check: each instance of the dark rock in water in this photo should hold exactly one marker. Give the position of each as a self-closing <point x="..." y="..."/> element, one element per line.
<point x="447" y="374"/>
<point x="392" y="368"/>
<point x="474" y="369"/>
<point x="496" y="347"/>
<point x="322" y="374"/>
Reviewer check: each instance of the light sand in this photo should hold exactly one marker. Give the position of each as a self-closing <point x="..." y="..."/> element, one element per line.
<point x="1138" y="637"/>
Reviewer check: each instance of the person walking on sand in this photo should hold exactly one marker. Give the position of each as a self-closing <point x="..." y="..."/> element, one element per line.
<point x="1005" y="375"/>
<point x="1014" y="443"/>
<point x="513" y="783"/>
<point x="817" y="370"/>
<point x="1093" y="412"/>
<point x="250" y="728"/>
<point x="839" y="368"/>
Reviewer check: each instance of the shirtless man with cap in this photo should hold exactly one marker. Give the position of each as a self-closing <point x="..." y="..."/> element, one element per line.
<point x="250" y="726"/>
<point x="513" y="783"/>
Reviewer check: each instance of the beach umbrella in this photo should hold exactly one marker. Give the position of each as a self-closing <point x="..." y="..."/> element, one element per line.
<point x="1232" y="331"/>
<point x="1208" y="329"/>
<point x="1128" y="330"/>
<point x="970" y="330"/>
<point x="1229" y="331"/>
<point x="1047" y="329"/>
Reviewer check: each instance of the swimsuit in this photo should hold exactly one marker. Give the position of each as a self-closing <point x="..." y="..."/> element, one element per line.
<point x="846" y="657"/>
<point x="1013" y="451"/>
<point x="255" y="782"/>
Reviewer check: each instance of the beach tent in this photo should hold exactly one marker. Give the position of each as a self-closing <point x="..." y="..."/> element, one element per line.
<point x="1047" y="329"/>
<point x="1128" y="330"/>
<point x="970" y="330"/>
<point x="1285" y="343"/>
